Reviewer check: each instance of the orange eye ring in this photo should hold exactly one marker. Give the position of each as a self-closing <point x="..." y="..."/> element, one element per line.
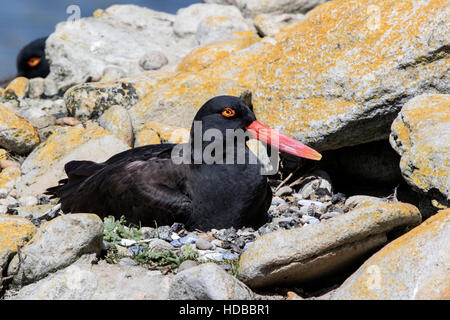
<point x="228" y="112"/>
<point x="33" y="62"/>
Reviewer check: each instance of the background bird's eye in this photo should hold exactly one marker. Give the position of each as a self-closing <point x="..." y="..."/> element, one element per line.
<point x="33" y="62"/>
<point x="228" y="112"/>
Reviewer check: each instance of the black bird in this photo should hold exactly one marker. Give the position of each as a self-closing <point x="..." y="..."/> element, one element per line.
<point x="146" y="184"/>
<point x="31" y="62"/>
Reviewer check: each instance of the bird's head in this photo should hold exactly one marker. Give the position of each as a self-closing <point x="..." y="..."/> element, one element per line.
<point x="31" y="61"/>
<point x="228" y="112"/>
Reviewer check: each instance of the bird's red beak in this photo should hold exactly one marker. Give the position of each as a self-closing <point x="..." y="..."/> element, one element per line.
<point x="286" y="144"/>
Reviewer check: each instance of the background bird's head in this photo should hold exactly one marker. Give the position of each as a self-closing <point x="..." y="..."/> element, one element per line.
<point x="31" y="61"/>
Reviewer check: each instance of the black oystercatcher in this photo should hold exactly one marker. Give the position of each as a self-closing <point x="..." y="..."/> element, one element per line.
<point x="31" y="62"/>
<point x="147" y="185"/>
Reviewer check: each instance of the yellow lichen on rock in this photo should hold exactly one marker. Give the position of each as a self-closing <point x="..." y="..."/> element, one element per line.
<point x="421" y="135"/>
<point x="17" y="88"/>
<point x="155" y="133"/>
<point x="402" y="269"/>
<point x="203" y="57"/>
<point x="16" y="133"/>
<point x="8" y="178"/>
<point x="14" y="232"/>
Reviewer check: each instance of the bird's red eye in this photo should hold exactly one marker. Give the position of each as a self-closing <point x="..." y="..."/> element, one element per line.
<point x="33" y="62"/>
<point x="228" y="112"/>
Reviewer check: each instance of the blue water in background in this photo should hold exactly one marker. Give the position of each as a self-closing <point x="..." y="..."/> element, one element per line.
<point x="22" y="21"/>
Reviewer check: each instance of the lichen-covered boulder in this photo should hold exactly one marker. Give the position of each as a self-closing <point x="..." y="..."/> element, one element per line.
<point x="44" y="167"/>
<point x="14" y="233"/>
<point x="8" y="178"/>
<point x="414" y="266"/>
<point x="17" y="88"/>
<point x="269" y="25"/>
<point x="16" y="133"/>
<point x="303" y="254"/>
<point x="421" y="135"/>
<point x="57" y="244"/>
<point x="117" y="121"/>
<point x="204" y="56"/>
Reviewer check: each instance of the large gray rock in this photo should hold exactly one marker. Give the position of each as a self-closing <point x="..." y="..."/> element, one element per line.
<point x="86" y="281"/>
<point x="255" y="7"/>
<point x="303" y="254"/>
<point x="207" y="282"/>
<point x="414" y="266"/>
<point x="217" y="29"/>
<point x="57" y="244"/>
<point x="188" y="19"/>
<point x="118" y="36"/>
<point x="421" y="135"/>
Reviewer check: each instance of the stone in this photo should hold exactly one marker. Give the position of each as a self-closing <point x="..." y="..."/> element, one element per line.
<point x="299" y="255"/>
<point x="414" y="266"/>
<point x="203" y="244"/>
<point x="283" y="191"/>
<point x="8" y="179"/>
<point x="28" y="201"/>
<point x="44" y="167"/>
<point x="159" y="245"/>
<point x="357" y="201"/>
<point x="357" y="68"/>
<point x="17" y="88"/>
<point x="425" y="155"/>
<point x="112" y="73"/>
<point x="15" y="232"/>
<point x="86" y="281"/>
<point x="67" y="121"/>
<point x="153" y="60"/>
<point x="36" y="88"/>
<point x="56" y="245"/>
<point x="117" y="36"/>
<point x="32" y="212"/>
<point x="255" y="7"/>
<point x="215" y="29"/>
<point x="188" y="19"/>
<point x="16" y="133"/>
<point x="117" y="121"/>
<point x="269" y="24"/>
<point x="207" y="282"/>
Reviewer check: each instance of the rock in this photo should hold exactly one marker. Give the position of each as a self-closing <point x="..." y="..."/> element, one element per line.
<point x="354" y="202"/>
<point x="36" y="88"/>
<point x="112" y="73"/>
<point x="302" y="254"/>
<point x="85" y="281"/>
<point x="8" y="178"/>
<point x="207" y="282"/>
<point x="17" y="88"/>
<point x="67" y="121"/>
<point x="14" y="233"/>
<point x="268" y="24"/>
<point x="283" y="191"/>
<point x="414" y="266"/>
<point x="153" y="60"/>
<point x="186" y="265"/>
<point x="425" y="155"/>
<point x="118" y="36"/>
<point x="44" y="167"/>
<point x="200" y="58"/>
<point x="203" y="244"/>
<point x="188" y="19"/>
<point x="57" y="244"/>
<point x="255" y="7"/>
<point x="117" y="121"/>
<point x="16" y="133"/>
<point x="317" y="186"/>
<point x="354" y="74"/>
<point x="124" y="262"/>
<point x="215" y="29"/>
<point x="27" y="201"/>
<point x="159" y="245"/>
<point x="50" y="87"/>
<point x="155" y="133"/>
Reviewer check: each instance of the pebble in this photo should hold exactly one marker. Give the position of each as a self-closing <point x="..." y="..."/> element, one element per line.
<point x="164" y="233"/>
<point x="203" y="244"/>
<point x="277" y="201"/>
<point x="136" y="249"/>
<point x="329" y="215"/>
<point x="127" y="242"/>
<point x="27" y="201"/>
<point x="283" y="191"/>
<point x="127" y="262"/>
